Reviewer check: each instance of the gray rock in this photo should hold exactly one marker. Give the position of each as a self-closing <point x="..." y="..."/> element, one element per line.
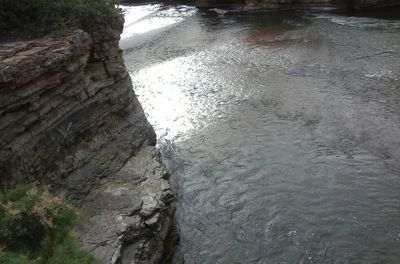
<point x="288" y="4"/>
<point x="69" y="118"/>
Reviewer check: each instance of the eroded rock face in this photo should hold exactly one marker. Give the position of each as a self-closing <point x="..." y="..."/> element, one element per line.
<point x="285" y="4"/>
<point x="69" y="118"/>
<point x="132" y="206"/>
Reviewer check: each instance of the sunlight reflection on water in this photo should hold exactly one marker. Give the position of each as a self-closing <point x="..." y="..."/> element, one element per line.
<point x="136" y="22"/>
<point x="171" y="99"/>
<point x="169" y="102"/>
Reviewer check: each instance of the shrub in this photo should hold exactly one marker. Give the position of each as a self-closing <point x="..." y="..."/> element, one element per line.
<point x="32" y="18"/>
<point x="35" y="228"/>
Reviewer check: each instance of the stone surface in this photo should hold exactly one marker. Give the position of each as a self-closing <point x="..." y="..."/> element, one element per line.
<point x="63" y="99"/>
<point x="69" y="118"/>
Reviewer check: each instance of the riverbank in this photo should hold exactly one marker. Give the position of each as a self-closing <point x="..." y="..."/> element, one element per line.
<point x="70" y="119"/>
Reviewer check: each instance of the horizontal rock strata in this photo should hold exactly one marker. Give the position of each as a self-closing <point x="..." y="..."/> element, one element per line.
<point x="69" y="118"/>
<point x="287" y="4"/>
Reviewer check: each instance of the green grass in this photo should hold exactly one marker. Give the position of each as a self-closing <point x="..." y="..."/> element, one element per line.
<point x="33" y="18"/>
<point x="35" y="228"/>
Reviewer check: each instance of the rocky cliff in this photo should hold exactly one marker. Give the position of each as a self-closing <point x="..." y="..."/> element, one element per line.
<point x="69" y="118"/>
<point x="287" y="4"/>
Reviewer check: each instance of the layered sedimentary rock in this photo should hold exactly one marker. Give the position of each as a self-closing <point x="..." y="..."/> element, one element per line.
<point x="131" y="214"/>
<point x="69" y="118"/>
<point x="285" y="4"/>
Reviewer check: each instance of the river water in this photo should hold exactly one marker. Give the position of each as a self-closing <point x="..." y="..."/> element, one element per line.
<point x="281" y="129"/>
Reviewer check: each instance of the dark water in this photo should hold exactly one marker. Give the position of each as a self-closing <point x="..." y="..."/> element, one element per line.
<point x="282" y="130"/>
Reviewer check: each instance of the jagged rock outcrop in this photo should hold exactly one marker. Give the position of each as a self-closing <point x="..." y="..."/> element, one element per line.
<point x="69" y="118"/>
<point x="287" y="4"/>
<point x="131" y="215"/>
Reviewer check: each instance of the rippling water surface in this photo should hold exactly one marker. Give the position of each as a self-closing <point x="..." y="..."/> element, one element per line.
<point x="282" y="130"/>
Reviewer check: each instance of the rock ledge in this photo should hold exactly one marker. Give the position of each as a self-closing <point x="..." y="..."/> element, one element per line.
<point x="69" y="118"/>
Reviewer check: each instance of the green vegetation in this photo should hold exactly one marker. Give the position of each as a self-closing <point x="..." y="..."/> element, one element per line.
<point x="35" y="228"/>
<point x="32" y="18"/>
